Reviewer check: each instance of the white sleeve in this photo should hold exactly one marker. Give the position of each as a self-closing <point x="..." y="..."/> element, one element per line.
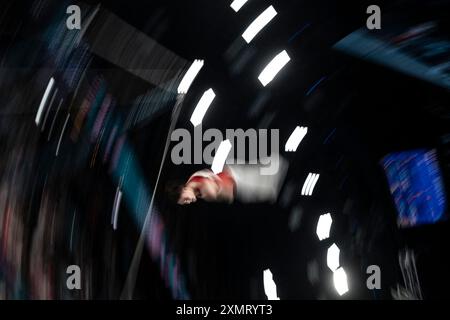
<point x="252" y="186"/>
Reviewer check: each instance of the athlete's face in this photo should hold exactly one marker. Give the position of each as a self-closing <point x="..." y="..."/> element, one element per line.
<point x="206" y="188"/>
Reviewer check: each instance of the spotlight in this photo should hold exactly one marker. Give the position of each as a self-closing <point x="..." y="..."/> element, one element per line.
<point x="324" y="226"/>
<point x="238" y="4"/>
<point x="333" y="257"/>
<point x="221" y="156"/>
<point x="273" y="67"/>
<point x="190" y="76"/>
<point x="310" y="183"/>
<point x="340" y="281"/>
<point x="258" y="24"/>
<point x="295" y="139"/>
<point x="202" y="107"/>
<point x="270" y="287"/>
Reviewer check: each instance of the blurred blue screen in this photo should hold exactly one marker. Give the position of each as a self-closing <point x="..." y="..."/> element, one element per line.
<point x="416" y="185"/>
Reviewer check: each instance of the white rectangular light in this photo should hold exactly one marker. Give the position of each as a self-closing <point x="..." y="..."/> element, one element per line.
<point x="333" y="257"/>
<point x="309" y="184"/>
<point x="295" y="139"/>
<point x="340" y="281"/>
<point x="313" y="184"/>
<point x="270" y="287"/>
<point x="190" y="76"/>
<point x="306" y="183"/>
<point x="324" y="226"/>
<point x="274" y="66"/>
<point x="44" y="100"/>
<point x="238" y="4"/>
<point x="221" y="156"/>
<point x="259" y="23"/>
<point x="202" y="107"/>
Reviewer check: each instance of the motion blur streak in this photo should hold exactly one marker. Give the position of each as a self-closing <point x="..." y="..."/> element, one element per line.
<point x="324" y="226"/>
<point x="120" y="43"/>
<point x="340" y="281"/>
<point x="333" y="257"/>
<point x="202" y="107"/>
<point x="295" y="139"/>
<point x="221" y="156"/>
<point x="270" y="287"/>
<point x="310" y="183"/>
<point x="190" y="75"/>
<point x="63" y="208"/>
<point x="313" y="184"/>
<point x="273" y="67"/>
<point x="44" y="100"/>
<point x="259" y="23"/>
<point x="238" y="4"/>
<point x="88" y="182"/>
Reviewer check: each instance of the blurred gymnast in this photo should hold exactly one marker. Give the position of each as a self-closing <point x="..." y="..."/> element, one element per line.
<point x="236" y="182"/>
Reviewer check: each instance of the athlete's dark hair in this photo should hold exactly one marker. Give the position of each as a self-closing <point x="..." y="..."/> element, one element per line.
<point x="173" y="189"/>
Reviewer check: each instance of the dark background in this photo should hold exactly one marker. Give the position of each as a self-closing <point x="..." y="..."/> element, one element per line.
<point x="359" y="113"/>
